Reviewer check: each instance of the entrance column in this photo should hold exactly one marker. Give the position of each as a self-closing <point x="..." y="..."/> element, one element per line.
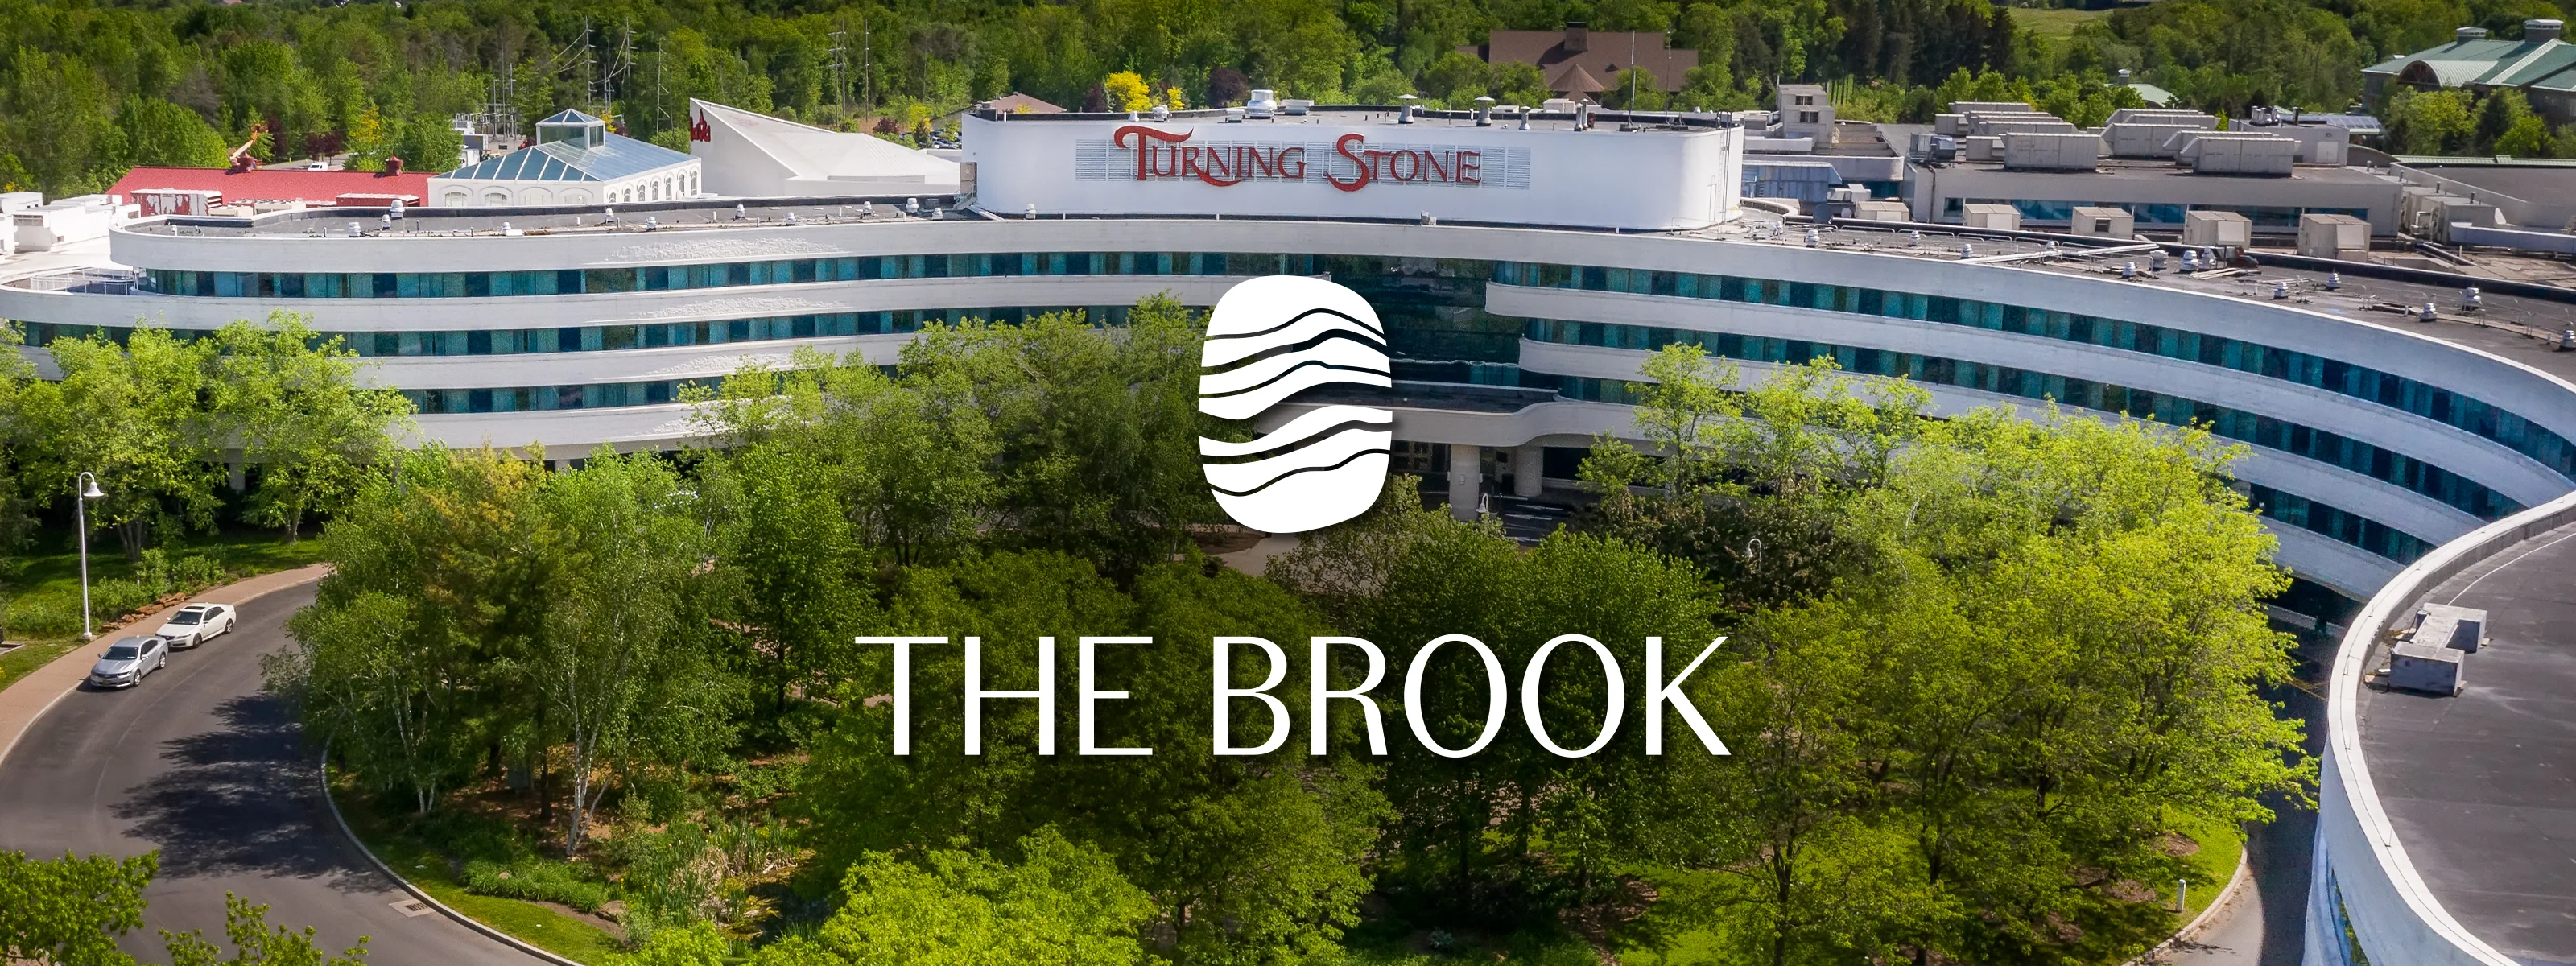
<point x="1529" y="461"/>
<point x="1466" y="479"/>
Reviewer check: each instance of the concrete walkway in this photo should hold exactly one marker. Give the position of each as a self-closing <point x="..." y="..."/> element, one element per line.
<point x="25" y="699"/>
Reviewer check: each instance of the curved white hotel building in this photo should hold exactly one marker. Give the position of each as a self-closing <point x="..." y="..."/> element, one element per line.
<point x="1523" y="271"/>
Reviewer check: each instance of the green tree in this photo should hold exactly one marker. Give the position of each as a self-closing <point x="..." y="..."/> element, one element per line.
<point x="430" y="143"/>
<point x="383" y="687"/>
<point x="1457" y="79"/>
<point x="290" y="401"/>
<point x="1634" y="89"/>
<point x="619" y="660"/>
<point x="2498" y="113"/>
<point x="149" y="437"/>
<point x="792" y="555"/>
<point x="153" y="131"/>
<point x="2431" y="122"/>
<point x="1061" y="904"/>
<point x="1519" y="83"/>
<point x="70" y="910"/>
<point x="1096" y="437"/>
<point x="56" y="120"/>
<point x="31" y="436"/>
<point x="2528" y="138"/>
<point x="256" y="943"/>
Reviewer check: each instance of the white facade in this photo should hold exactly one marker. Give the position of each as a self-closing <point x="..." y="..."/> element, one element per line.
<point x="675" y="183"/>
<point x="751" y="155"/>
<point x="1316" y="167"/>
<point x="2545" y="400"/>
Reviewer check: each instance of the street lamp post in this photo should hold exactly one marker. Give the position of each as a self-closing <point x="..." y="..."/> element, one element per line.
<point x="84" y="489"/>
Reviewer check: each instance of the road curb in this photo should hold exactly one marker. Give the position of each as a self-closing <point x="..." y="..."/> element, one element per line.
<point x="297" y="577"/>
<point x="469" y="922"/>
<point x="2208" y="917"/>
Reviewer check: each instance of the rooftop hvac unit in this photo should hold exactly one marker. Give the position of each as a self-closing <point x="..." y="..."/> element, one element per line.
<point x="1950" y="124"/>
<point x="2011" y="126"/>
<point x="1985" y="148"/>
<point x="2333" y="236"/>
<point x="1881" y="211"/>
<point x="2144" y="138"/>
<point x="1261" y="103"/>
<point x="2444" y="625"/>
<point x="1991" y="217"/>
<point x="2215" y="229"/>
<point x="2051" y="152"/>
<point x="2215" y="152"/>
<point x="2150" y="115"/>
<point x="2092" y="222"/>
<point x="2424" y="667"/>
<point x="1964" y="107"/>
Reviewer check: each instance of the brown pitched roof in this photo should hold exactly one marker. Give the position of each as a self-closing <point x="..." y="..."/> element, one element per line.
<point x="1575" y="80"/>
<point x="1602" y="55"/>
<point x="1012" y="103"/>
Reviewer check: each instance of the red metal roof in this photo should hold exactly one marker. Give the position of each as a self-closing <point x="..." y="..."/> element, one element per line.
<point x="320" y="187"/>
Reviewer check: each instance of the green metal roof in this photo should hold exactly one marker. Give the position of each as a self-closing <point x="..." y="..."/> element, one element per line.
<point x="2509" y="63"/>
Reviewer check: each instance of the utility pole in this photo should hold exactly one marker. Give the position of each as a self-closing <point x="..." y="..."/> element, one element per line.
<point x="841" y="71"/>
<point x="868" y="72"/>
<point x="1632" y="70"/>
<point x="618" y="68"/>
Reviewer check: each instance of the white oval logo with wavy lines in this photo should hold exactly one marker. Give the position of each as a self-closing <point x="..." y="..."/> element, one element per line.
<point x="1269" y="339"/>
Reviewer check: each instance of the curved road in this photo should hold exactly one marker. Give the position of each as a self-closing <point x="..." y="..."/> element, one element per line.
<point x="200" y="764"/>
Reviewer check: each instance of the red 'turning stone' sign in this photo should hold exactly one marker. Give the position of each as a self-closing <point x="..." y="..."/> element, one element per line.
<point x="1165" y="154"/>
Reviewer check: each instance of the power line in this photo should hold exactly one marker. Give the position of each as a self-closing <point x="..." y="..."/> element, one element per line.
<point x="840" y="54"/>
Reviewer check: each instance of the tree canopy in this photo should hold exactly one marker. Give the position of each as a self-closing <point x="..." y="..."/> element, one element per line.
<point x="1953" y="685"/>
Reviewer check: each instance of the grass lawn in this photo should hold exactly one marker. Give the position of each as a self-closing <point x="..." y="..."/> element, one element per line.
<point x="2055" y="21"/>
<point x="17" y="663"/>
<point x="535" y="924"/>
<point x="2221" y="845"/>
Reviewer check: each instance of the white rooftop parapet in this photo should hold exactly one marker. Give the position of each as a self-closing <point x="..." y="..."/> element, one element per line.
<point x="2365" y="878"/>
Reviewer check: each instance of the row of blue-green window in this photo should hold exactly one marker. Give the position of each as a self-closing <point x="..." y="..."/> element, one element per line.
<point x="478" y="342"/>
<point x="654" y="278"/>
<point x="596" y="395"/>
<point x="2360" y="382"/>
<point x="2344" y="525"/>
<point x="2376" y="462"/>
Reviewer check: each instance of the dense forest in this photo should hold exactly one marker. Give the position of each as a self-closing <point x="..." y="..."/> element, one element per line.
<point x="88" y="89"/>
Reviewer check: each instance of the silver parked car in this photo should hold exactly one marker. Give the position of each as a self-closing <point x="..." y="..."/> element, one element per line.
<point x="196" y="623"/>
<point x="128" y="660"/>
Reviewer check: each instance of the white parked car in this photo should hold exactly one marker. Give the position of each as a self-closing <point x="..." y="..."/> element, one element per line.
<point x="128" y="660"/>
<point x="196" y="623"/>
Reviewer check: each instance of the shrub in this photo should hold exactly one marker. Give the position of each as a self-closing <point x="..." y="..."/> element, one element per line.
<point x="536" y="880"/>
<point x="110" y="599"/>
<point x="472" y="838"/>
<point x="44" y="615"/>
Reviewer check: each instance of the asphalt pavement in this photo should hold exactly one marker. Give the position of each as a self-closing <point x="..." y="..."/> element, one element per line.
<point x="196" y="761"/>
